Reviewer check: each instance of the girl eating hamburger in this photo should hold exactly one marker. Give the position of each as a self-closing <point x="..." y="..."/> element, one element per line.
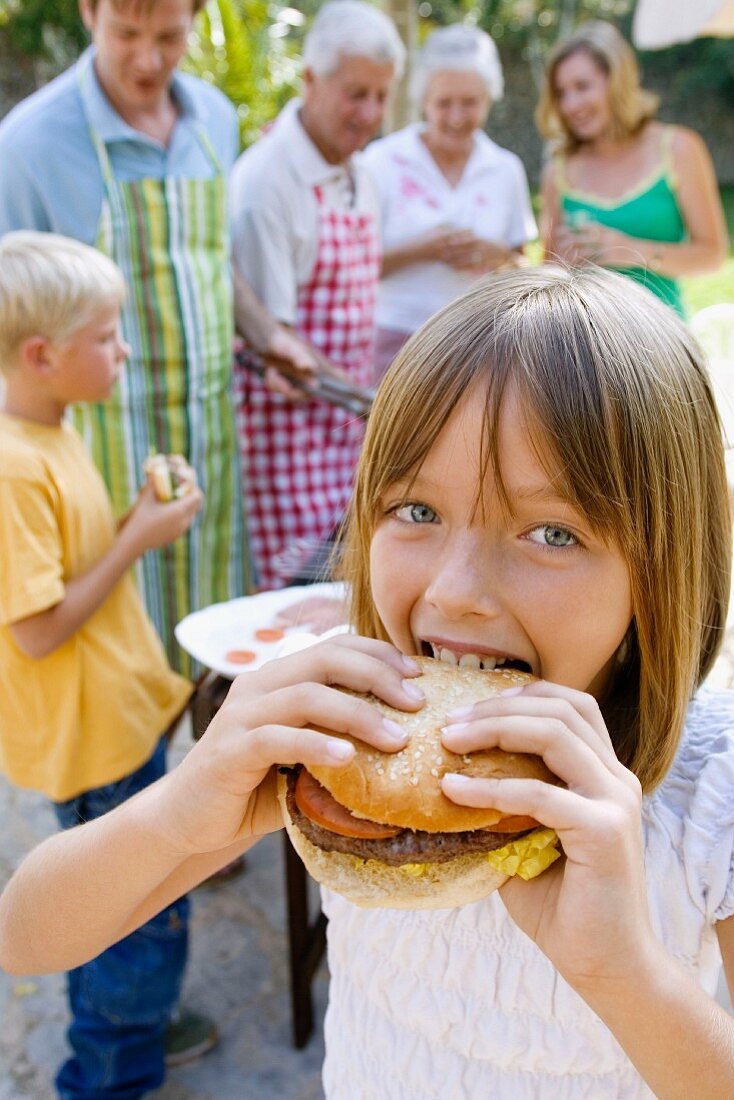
<point x="542" y="489"/>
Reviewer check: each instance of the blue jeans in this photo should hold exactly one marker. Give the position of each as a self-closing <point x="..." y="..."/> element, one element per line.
<point x="121" y="1001"/>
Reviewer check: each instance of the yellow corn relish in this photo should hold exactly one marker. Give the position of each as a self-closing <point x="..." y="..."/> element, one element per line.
<point x="527" y="856"/>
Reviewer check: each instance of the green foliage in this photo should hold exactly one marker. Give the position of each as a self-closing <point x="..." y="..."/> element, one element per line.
<point x="695" y="69"/>
<point x="705" y="290"/>
<point x="49" y="29"/>
<point x="530" y="27"/>
<point x="240" y="46"/>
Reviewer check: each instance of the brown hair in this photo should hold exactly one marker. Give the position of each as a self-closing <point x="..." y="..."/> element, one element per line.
<point x="630" y="104"/>
<point x="145" y="5"/>
<point x="617" y="386"/>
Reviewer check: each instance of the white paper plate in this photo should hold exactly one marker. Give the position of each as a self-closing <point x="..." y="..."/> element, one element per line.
<point x="209" y="634"/>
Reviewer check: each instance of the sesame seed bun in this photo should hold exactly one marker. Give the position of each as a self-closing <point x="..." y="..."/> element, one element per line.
<point x="403" y="788"/>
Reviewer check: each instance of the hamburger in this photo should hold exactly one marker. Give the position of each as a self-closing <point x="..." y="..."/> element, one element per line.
<point x="380" y="830"/>
<point x="170" y="475"/>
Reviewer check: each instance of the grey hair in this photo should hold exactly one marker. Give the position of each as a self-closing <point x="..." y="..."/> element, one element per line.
<point x="461" y="49"/>
<point x="351" y="28"/>
<point x="52" y="286"/>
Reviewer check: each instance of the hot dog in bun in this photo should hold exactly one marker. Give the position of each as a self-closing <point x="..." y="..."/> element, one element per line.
<point x="170" y="475"/>
<point x="381" y="832"/>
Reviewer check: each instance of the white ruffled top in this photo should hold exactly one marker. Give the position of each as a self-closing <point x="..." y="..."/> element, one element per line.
<point x="459" y="1003"/>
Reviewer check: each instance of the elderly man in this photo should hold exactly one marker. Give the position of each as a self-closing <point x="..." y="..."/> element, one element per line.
<point x="305" y="235"/>
<point x="125" y="152"/>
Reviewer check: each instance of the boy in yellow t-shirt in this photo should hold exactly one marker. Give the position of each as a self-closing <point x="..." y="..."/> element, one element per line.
<point x="85" y="688"/>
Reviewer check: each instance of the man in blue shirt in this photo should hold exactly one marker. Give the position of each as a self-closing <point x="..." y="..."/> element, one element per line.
<point x="124" y="152"/>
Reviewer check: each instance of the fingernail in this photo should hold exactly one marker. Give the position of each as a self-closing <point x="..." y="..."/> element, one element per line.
<point x="511" y="691"/>
<point x="410" y="664"/>
<point x="412" y="690"/>
<point x="395" y="730"/>
<point x="340" y="750"/>
<point x="459" y="713"/>
<point x="455" y="727"/>
<point x="459" y="780"/>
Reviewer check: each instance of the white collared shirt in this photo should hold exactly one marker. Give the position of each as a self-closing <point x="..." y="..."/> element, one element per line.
<point x="274" y="213"/>
<point x="491" y="198"/>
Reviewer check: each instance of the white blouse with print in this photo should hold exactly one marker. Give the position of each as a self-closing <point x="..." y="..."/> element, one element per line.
<point x="491" y="198"/>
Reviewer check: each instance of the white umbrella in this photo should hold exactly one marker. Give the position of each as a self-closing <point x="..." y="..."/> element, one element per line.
<point x="659" y="23"/>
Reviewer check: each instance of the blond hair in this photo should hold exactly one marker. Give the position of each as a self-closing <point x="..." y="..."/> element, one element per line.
<point x="51" y="286"/>
<point x="618" y="389"/>
<point x="631" y="105"/>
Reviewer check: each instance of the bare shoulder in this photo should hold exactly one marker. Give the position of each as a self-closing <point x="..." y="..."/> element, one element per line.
<point x="685" y="144"/>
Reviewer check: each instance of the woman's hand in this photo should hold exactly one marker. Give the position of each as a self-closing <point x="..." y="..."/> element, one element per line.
<point x="588" y="913"/>
<point x="224" y="790"/>
<point x="460" y="249"/>
<point x="595" y="243"/>
<point x="475" y="255"/>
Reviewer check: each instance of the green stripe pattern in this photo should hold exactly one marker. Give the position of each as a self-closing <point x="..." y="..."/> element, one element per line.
<point x="170" y="238"/>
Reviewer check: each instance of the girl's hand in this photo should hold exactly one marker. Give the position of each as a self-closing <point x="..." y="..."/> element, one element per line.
<point x="152" y="523"/>
<point x="588" y="913"/>
<point x="224" y="790"/>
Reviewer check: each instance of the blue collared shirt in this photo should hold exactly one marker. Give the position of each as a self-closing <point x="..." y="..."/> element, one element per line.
<point x="50" y="178"/>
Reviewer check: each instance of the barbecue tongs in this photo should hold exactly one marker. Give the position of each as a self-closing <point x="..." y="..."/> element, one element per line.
<point x="325" y="387"/>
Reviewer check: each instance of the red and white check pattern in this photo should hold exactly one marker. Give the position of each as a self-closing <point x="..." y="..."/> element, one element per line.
<point x="299" y="459"/>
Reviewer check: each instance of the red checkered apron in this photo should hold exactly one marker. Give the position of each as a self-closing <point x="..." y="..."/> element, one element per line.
<point x="299" y="459"/>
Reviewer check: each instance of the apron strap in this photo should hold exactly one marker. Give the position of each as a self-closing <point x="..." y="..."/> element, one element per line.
<point x="100" y="146"/>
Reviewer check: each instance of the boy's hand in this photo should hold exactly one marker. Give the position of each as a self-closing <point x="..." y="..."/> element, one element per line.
<point x="153" y="523"/>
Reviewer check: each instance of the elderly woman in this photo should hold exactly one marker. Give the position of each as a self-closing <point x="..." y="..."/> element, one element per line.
<point x="623" y="190"/>
<point x="454" y="205"/>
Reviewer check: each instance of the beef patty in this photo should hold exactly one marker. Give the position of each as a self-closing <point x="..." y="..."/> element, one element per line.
<point x="409" y="846"/>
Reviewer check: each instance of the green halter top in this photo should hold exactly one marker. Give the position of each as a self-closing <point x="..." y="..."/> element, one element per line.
<point x="649" y="211"/>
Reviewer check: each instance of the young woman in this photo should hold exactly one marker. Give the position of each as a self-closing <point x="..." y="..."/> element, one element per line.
<point x="623" y="190"/>
<point x="542" y="480"/>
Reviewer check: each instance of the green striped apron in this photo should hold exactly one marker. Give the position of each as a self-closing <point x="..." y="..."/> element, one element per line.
<point x="170" y="238"/>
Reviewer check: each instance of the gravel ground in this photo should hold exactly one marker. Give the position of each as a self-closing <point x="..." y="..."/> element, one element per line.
<point x="237" y="974"/>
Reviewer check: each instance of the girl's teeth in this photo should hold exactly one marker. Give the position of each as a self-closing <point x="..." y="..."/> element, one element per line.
<point x="467" y="660"/>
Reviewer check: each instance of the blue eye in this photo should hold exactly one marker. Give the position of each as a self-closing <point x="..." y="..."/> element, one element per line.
<point x="552" y="536"/>
<point x="415" y="512"/>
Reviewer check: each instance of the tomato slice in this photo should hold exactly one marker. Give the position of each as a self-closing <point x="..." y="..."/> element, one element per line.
<point x="514" y="825"/>
<point x="240" y="656"/>
<point x="269" y="634"/>
<point x="316" y="803"/>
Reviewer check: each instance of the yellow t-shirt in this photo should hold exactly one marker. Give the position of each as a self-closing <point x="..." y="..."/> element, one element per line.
<point x="92" y="711"/>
